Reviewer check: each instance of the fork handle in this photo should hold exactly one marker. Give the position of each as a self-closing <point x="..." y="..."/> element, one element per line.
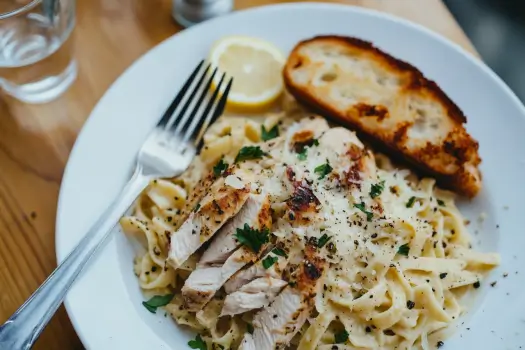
<point x="22" y="329"/>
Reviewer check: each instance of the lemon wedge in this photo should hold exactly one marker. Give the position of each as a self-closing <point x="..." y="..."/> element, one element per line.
<point x="256" y="67"/>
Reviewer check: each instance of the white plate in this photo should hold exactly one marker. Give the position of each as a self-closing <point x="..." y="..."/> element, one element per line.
<point x="105" y="304"/>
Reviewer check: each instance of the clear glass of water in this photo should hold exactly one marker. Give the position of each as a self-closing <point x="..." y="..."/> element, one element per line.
<point x="36" y="61"/>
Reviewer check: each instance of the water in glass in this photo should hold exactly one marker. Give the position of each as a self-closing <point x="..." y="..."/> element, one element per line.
<point x="36" y="63"/>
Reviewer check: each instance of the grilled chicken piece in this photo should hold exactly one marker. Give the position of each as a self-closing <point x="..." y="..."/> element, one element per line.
<point x="222" y="259"/>
<point x="202" y="223"/>
<point x="254" y="295"/>
<point x="255" y="271"/>
<point x="275" y="325"/>
<point x="388" y="101"/>
<point x="255" y="212"/>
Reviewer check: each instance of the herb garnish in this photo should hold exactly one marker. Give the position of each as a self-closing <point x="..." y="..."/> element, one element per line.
<point x="403" y="250"/>
<point x="440" y="203"/>
<point x="269" y="261"/>
<point x="410" y="202"/>
<point x="269" y="134"/>
<point x="196" y="207"/>
<point x="198" y="343"/>
<point x="323" y="240"/>
<point x="302" y="155"/>
<point x="443" y="275"/>
<point x="249" y="152"/>
<point x="220" y="167"/>
<point x="253" y="239"/>
<point x="410" y="304"/>
<point x="249" y="328"/>
<point x="323" y="170"/>
<point x="157" y="301"/>
<point x="341" y="337"/>
<point x="279" y="251"/>
<point x="361" y="206"/>
<point x="377" y="189"/>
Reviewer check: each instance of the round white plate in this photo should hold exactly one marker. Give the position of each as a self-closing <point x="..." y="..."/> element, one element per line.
<point x="105" y="304"/>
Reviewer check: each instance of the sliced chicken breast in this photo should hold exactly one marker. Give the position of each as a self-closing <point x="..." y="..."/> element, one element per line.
<point x="255" y="271"/>
<point x="275" y="325"/>
<point x="254" y="295"/>
<point x="255" y="212"/>
<point x="202" y="223"/>
<point x="222" y="259"/>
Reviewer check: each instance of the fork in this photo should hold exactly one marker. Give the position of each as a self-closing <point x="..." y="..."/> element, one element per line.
<point x="167" y="152"/>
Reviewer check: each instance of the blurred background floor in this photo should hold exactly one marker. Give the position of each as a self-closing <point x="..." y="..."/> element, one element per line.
<point x="497" y="30"/>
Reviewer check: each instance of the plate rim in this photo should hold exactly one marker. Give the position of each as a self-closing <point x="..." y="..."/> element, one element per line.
<point x="59" y="234"/>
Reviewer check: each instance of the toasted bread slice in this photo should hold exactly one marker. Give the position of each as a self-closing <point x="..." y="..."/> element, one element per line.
<point x="388" y="102"/>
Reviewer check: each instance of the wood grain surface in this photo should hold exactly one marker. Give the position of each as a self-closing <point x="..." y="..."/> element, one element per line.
<point x="35" y="141"/>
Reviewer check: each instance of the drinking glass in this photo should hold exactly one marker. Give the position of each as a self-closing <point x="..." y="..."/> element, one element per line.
<point x="36" y="63"/>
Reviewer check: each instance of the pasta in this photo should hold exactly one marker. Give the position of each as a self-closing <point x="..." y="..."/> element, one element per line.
<point x="396" y="282"/>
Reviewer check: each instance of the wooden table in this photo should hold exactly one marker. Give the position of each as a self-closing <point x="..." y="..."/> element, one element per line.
<point x="35" y="141"/>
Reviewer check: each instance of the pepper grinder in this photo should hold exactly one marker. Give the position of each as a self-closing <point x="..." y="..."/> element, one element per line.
<point x="190" y="12"/>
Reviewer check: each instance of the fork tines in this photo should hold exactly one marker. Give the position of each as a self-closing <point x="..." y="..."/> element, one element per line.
<point x="189" y="114"/>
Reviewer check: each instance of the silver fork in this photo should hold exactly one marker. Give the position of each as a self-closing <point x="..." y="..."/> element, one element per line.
<point x="167" y="152"/>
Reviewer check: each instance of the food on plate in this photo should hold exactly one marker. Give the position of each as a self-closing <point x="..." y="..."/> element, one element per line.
<point x="388" y="101"/>
<point x="256" y="67"/>
<point x="288" y="232"/>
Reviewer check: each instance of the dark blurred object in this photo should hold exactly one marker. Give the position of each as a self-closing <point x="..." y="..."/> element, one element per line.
<point x="497" y="30"/>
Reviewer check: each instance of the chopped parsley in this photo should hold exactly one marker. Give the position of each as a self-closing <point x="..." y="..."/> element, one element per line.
<point x="403" y="249"/>
<point x="410" y="304"/>
<point x="279" y="251"/>
<point x="341" y="337"/>
<point x="249" y="152"/>
<point x="157" y="301"/>
<point x="441" y="203"/>
<point x="198" y="343"/>
<point x="323" y="240"/>
<point x="219" y="168"/>
<point x="476" y="284"/>
<point x="269" y="134"/>
<point x="249" y="328"/>
<point x="302" y="155"/>
<point x="269" y="261"/>
<point x="361" y="206"/>
<point x="323" y="170"/>
<point x="197" y="207"/>
<point x="410" y="202"/>
<point x="377" y="189"/>
<point x="253" y="239"/>
<point x="315" y="142"/>
<point x="443" y="275"/>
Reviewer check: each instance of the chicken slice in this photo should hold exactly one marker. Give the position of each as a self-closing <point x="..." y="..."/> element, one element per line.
<point x="221" y="260"/>
<point x="255" y="271"/>
<point x="255" y="212"/>
<point x="202" y="223"/>
<point x="254" y="295"/>
<point x="276" y="325"/>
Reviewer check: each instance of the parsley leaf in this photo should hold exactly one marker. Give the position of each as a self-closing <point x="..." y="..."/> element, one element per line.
<point x="197" y="207"/>
<point x="279" y="251"/>
<point x="441" y="203"/>
<point x="323" y="170"/>
<point x="361" y="206"/>
<point x="377" y="189"/>
<point x="253" y="239"/>
<point x="219" y="168"/>
<point x="302" y="155"/>
<point x="249" y="152"/>
<point x="315" y="142"/>
<point x="403" y="250"/>
<point x="249" y="328"/>
<point x="269" y="261"/>
<point x="198" y="343"/>
<point x="269" y="134"/>
<point x="157" y="301"/>
<point x="323" y="240"/>
<point x="341" y="337"/>
<point x="410" y="202"/>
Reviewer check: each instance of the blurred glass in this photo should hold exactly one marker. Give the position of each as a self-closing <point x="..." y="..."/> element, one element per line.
<point x="190" y="12"/>
<point x="36" y="63"/>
